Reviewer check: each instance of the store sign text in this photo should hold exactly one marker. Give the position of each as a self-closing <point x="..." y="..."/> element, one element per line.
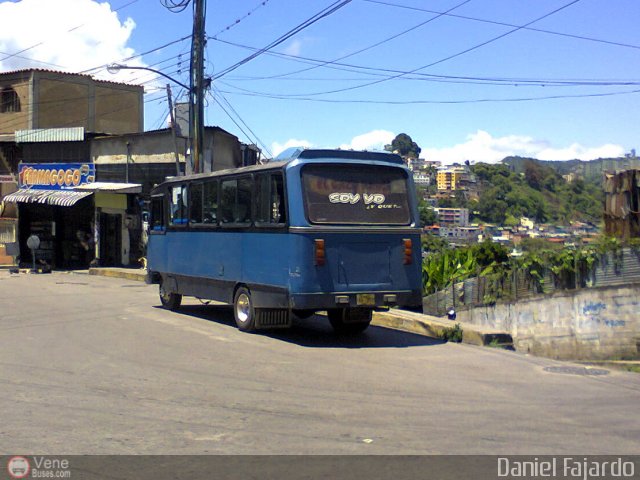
<point x="55" y="176"/>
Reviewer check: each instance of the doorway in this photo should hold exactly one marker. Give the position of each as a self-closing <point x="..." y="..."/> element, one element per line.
<point x="110" y="239"/>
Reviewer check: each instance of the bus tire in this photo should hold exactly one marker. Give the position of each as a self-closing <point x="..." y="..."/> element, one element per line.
<point x="349" y="320"/>
<point x="243" y="310"/>
<point x="170" y="301"/>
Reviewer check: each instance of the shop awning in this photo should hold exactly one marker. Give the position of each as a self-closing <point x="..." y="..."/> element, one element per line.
<point x="62" y="198"/>
<point x="110" y="187"/>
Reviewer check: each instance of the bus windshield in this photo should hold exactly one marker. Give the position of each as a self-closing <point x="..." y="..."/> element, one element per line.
<point x="356" y="195"/>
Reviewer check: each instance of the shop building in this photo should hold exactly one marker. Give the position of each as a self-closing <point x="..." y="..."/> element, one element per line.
<point x="48" y="117"/>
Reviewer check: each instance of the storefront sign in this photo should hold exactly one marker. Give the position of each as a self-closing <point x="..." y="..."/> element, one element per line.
<point x="7" y="179"/>
<point x="55" y="176"/>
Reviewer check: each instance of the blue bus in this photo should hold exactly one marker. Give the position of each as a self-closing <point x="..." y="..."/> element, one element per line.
<point x="321" y="230"/>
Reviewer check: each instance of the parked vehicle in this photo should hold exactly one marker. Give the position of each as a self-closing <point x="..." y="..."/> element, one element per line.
<point x="322" y="230"/>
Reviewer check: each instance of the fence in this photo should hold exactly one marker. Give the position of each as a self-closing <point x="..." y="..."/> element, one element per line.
<point x="612" y="269"/>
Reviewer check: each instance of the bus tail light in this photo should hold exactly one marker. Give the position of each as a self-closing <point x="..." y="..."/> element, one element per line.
<point x="408" y="251"/>
<point x="319" y="252"/>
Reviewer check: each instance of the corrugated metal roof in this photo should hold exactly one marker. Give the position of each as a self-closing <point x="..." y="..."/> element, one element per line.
<point x="62" y="73"/>
<point x="61" y="198"/>
<point x="110" y="187"/>
<point x="72" y="134"/>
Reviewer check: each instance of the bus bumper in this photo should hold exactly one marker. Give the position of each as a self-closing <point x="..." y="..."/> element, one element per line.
<point x="323" y="301"/>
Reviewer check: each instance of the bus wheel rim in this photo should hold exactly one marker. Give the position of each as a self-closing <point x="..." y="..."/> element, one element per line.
<point x="243" y="307"/>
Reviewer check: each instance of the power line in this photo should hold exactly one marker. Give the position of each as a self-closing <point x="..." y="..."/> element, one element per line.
<point x="414" y="75"/>
<point x="307" y="23"/>
<point x="450" y="57"/>
<point x="377" y="44"/>
<point x="257" y="139"/>
<point x="504" y="24"/>
<point x="245" y="16"/>
<point x="436" y="102"/>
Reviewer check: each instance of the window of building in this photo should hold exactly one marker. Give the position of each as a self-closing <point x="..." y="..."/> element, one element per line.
<point x="270" y="199"/>
<point x="9" y="100"/>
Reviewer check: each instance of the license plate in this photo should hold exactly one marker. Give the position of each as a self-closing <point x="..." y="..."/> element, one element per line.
<point x="366" y="299"/>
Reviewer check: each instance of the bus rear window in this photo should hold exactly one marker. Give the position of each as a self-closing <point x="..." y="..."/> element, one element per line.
<point x="356" y="195"/>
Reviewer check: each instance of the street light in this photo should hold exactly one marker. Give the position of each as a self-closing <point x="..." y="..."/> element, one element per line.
<point x="196" y="113"/>
<point x="114" y="68"/>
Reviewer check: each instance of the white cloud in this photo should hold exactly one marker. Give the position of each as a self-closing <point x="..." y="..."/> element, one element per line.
<point x="66" y="35"/>
<point x="374" y="140"/>
<point x="294" y="48"/>
<point x="482" y="147"/>
<point x="278" y="148"/>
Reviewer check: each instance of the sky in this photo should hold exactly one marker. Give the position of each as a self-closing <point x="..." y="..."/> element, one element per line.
<point x="475" y="80"/>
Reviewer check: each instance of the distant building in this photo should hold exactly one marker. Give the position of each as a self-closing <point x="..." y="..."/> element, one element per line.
<point x="449" y="178"/>
<point x="421" y="178"/>
<point x="453" y="216"/>
<point x="527" y="223"/>
<point x="467" y="234"/>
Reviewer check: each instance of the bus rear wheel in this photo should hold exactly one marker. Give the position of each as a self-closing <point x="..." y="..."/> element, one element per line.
<point x="243" y="310"/>
<point x="170" y="300"/>
<point x="349" y="320"/>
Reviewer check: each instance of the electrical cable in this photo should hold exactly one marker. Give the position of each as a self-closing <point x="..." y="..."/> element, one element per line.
<point x="307" y="23"/>
<point x="445" y="59"/>
<point x="257" y="139"/>
<point x="504" y="24"/>
<point x="439" y="102"/>
<point x="386" y="40"/>
<point x="239" y="20"/>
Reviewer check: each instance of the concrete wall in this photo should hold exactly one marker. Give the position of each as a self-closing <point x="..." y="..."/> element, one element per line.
<point x="57" y="100"/>
<point x="590" y="324"/>
<point x="12" y="121"/>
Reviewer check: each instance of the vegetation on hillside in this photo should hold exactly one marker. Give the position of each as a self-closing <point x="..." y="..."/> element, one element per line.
<point x="539" y="193"/>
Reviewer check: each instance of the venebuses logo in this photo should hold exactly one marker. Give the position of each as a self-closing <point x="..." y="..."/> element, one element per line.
<point x="18" y="467"/>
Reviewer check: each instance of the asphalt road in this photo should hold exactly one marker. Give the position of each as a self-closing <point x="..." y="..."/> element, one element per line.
<point x="92" y="365"/>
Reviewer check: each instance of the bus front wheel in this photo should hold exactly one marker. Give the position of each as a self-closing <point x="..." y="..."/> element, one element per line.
<point x="349" y="320"/>
<point x="243" y="310"/>
<point x="169" y="300"/>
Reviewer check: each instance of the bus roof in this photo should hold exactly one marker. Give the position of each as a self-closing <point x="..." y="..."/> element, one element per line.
<point x="290" y="155"/>
<point x="299" y="152"/>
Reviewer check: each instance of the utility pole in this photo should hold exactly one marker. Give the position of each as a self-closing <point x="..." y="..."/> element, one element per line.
<point x="196" y="96"/>
<point x="173" y="129"/>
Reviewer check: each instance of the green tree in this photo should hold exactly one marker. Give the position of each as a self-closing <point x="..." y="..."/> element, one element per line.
<point x="405" y="146"/>
<point x="428" y="215"/>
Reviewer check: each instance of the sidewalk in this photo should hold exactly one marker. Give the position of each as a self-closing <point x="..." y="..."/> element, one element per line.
<point x="435" y="327"/>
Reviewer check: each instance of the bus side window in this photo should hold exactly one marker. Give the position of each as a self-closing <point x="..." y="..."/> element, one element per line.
<point x="235" y="201"/>
<point x="178" y="207"/>
<point x="195" y="203"/>
<point x="270" y="201"/>
<point x="243" y="203"/>
<point x="227" y="200"/>
<point x="210" y="202"/>
<point x="157" y="213"/>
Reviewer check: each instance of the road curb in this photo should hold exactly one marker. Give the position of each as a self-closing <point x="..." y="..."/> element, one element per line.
<point x="439" y="328"/>
<point x="396" y="319"/>
<point x="137" y="275"/>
